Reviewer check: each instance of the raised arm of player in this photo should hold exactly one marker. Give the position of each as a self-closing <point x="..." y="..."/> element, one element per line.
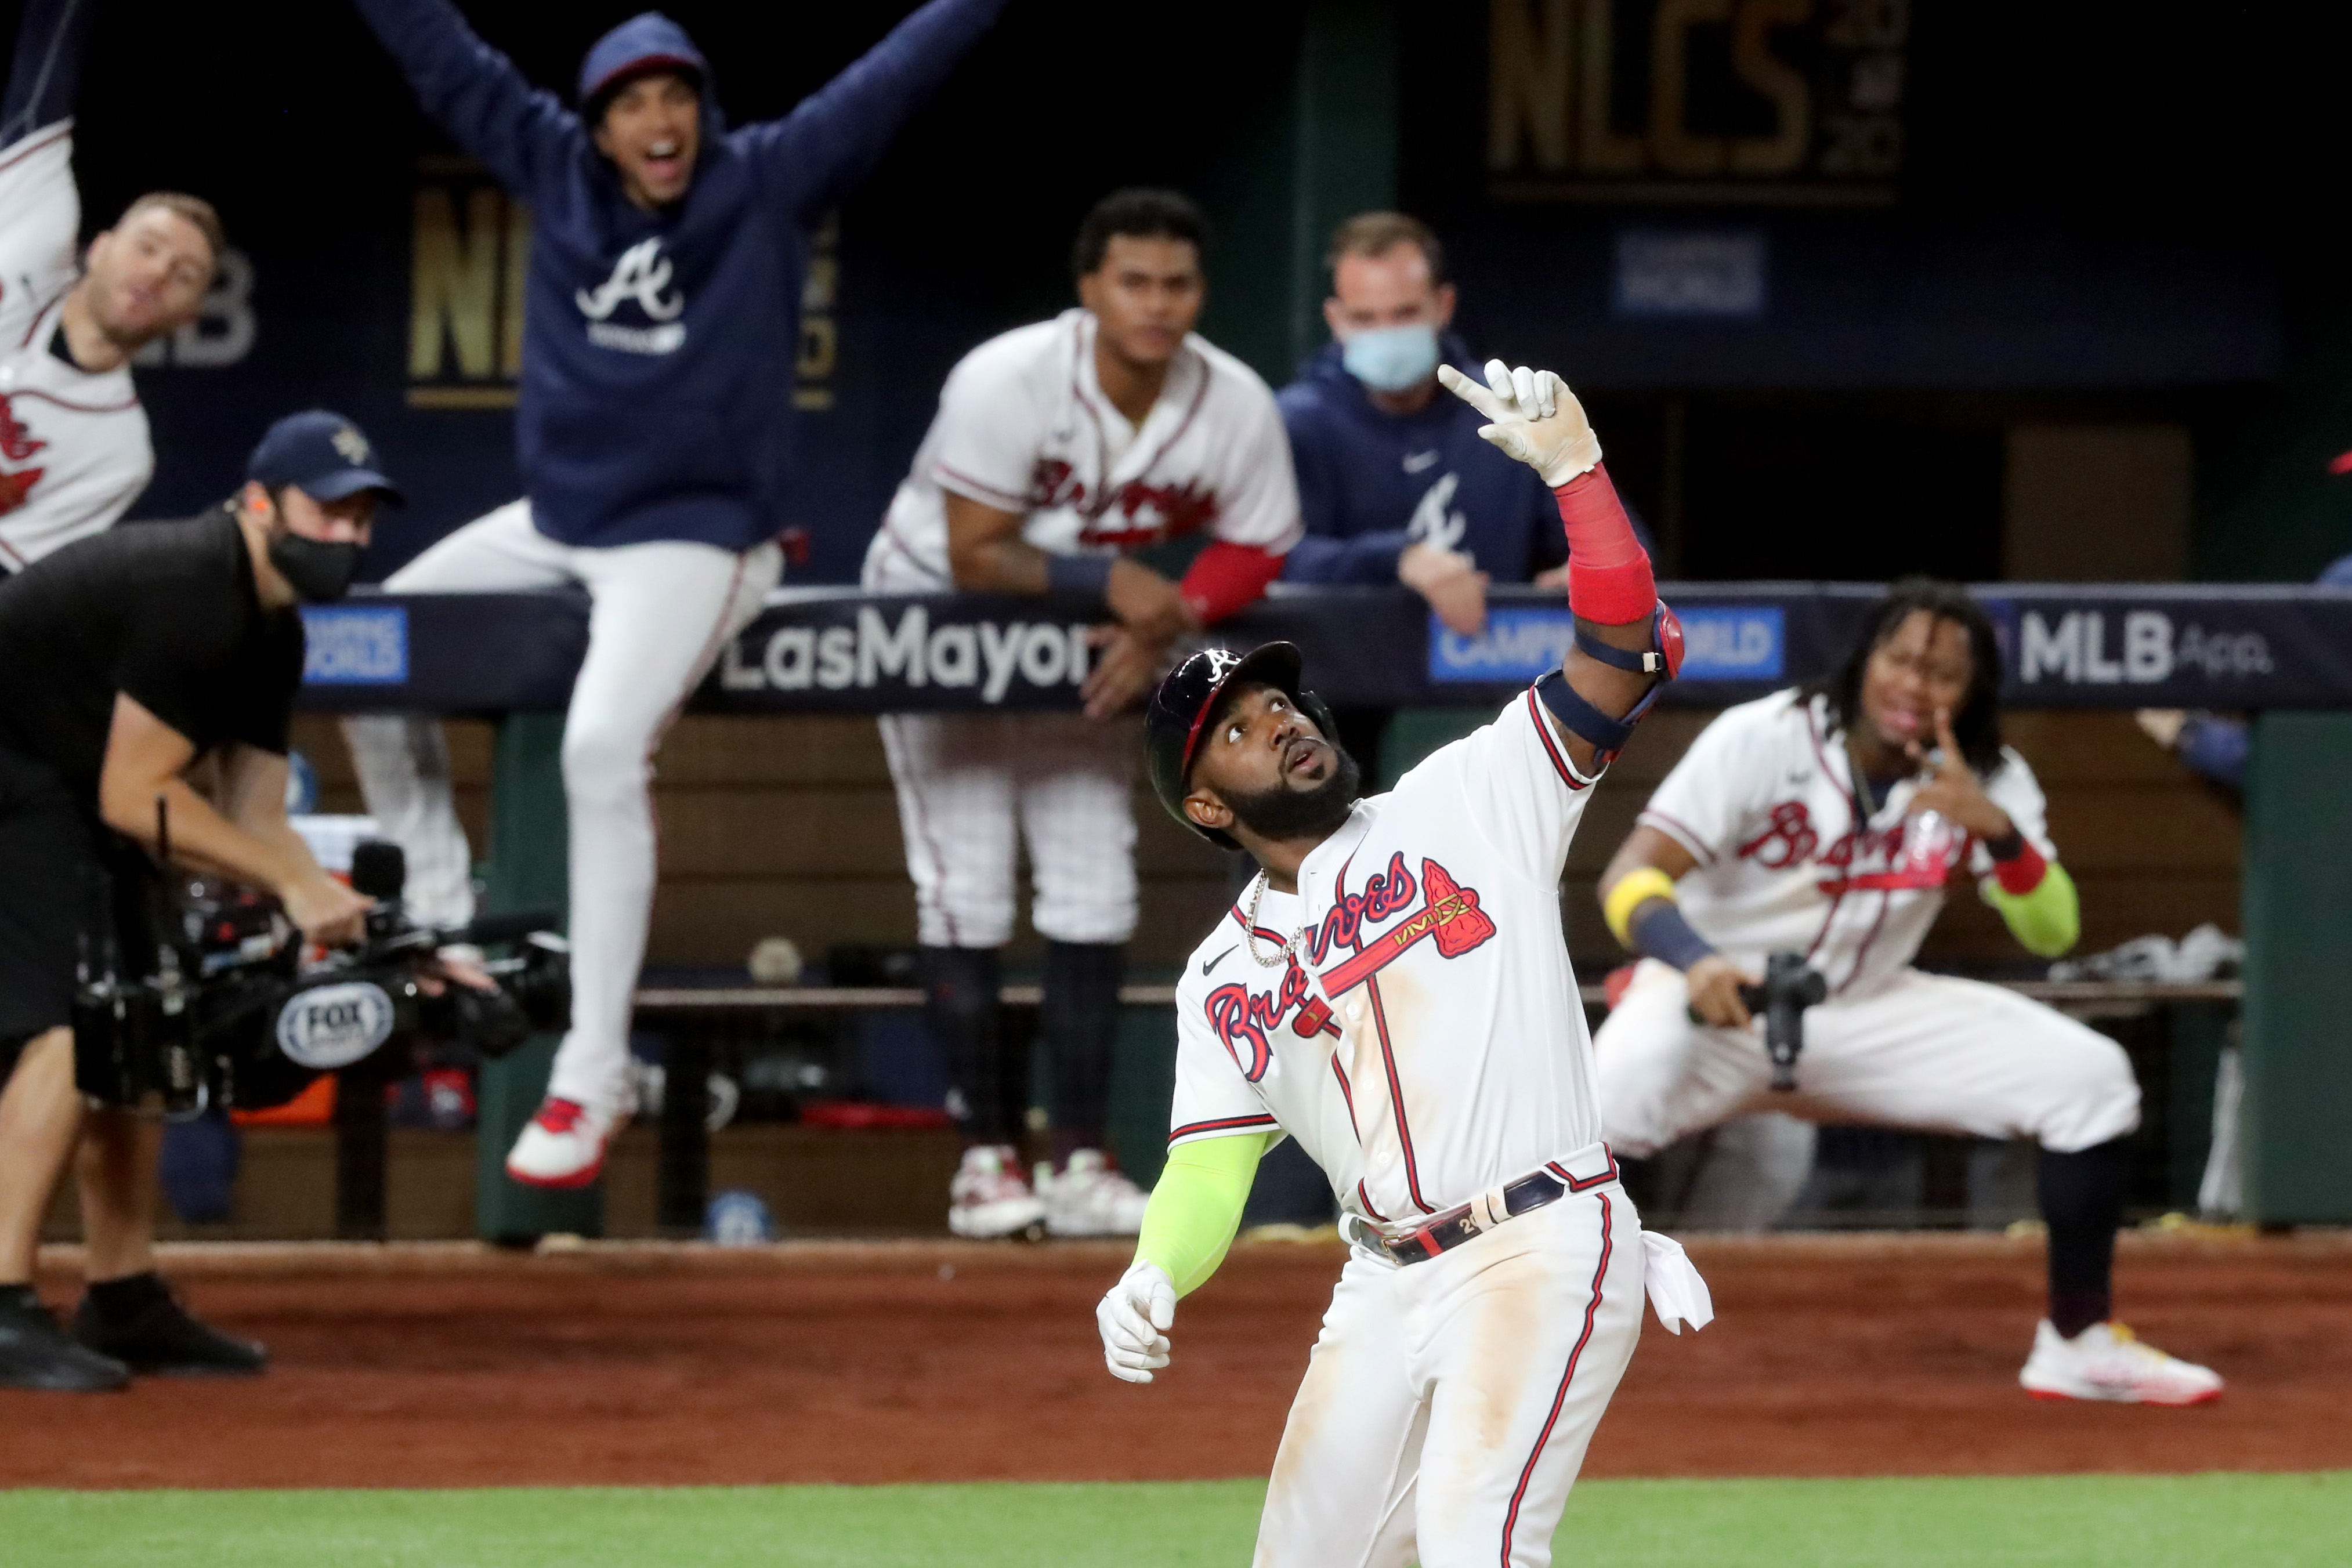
<point x="824" y="146"/>
<point x="473" y="92"/>
<point x="145" y="759"/>
<point x="44" y="70"/>
<point x="1626" y="645"/>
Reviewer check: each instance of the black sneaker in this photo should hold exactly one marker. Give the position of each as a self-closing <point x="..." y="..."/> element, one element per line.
<point x="36" y="1354"/>
<point x="139" y="1321"/>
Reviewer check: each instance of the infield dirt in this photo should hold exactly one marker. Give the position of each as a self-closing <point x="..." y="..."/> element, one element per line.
<point x="906" y="1362"/>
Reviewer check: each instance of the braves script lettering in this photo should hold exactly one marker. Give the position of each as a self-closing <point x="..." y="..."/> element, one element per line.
<point x="1451" y="916"/>
<point x="1242" y="1020"/>
<point x="1790" y="838"/>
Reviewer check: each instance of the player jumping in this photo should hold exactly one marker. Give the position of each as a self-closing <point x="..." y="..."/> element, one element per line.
<point x="1395" y="991"/>
<point x="1058" y="449"/>
<point x="666" y="260"/>
<point x="1824" y="820"/>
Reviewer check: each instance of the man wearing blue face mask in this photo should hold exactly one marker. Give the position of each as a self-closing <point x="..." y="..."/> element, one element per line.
<point x="1394" y="484"/>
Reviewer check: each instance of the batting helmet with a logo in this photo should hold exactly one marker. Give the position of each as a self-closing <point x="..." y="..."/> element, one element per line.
<point x="1181" y="708"/>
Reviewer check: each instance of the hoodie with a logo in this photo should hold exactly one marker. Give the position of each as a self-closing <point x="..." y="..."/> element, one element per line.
<point x="1371" y="482"/>
<point x="656" y="385"/>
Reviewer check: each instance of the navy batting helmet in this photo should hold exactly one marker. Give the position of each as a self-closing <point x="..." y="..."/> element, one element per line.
<point x="1179" y="713"/>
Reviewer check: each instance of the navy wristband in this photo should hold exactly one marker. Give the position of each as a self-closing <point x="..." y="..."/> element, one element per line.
<point x="1660" y="932"/>
<point x="1085" y="577"/>
<point x="2007" y="847"/>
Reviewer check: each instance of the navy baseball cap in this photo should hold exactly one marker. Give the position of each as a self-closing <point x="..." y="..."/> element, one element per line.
<point x="647" y="41"/>
<point x="322" y="455"/>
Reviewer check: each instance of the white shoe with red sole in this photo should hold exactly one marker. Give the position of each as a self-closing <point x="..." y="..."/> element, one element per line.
<point x="2107" y="1362"/>
<point x="563" y="1146"/>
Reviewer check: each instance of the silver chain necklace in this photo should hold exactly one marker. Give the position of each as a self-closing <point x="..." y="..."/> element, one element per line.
<point x="1285" y="956"/>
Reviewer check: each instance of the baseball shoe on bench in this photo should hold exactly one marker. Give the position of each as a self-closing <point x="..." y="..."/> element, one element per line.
<point x="1088" y="1197"/>
<point x="2107" y="1362"/>
<point x="37" y="1353"/>
<point x="987" y="1198"/>
<point x="140" y="1323"/>
<point x="563" y="1146"/>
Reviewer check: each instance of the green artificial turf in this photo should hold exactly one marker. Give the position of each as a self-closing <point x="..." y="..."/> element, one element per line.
<point x="2078" y="1522"/>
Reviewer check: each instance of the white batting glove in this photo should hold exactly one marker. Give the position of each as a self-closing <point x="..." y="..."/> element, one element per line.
<point x="1533" y="417"/>
<point x="1132" y="1316"/>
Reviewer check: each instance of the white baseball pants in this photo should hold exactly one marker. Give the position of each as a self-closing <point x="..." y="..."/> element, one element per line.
<point x="660" y="612"/>
<point x="1447" y="1405"/>
<point x="1923" y="1051"/>
<point x="968" y="782"/>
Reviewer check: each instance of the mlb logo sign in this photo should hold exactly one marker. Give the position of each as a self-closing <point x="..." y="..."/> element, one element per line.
<point x="355" y="646"/>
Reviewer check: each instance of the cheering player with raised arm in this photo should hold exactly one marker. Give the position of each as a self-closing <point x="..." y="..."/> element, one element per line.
<point x="1395" y="991"/>
<point x="74" y="451"/>
<point x="667" y="259"/>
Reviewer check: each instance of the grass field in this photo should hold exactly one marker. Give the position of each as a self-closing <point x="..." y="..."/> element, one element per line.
<point x="2060" y="1522"/>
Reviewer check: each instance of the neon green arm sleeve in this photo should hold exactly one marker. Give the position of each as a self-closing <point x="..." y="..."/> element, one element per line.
<point x="2047" y="922"/>
<point x="1197" y="1206"/>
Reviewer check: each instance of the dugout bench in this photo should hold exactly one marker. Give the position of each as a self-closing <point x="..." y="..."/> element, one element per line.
<point x="2283" y="654"/>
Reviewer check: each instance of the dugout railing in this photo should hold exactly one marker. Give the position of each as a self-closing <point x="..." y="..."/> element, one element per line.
<point x="2282" y="654"/>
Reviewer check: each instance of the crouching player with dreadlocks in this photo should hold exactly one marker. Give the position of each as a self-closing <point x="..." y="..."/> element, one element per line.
<point x="1395" y="991"/>
<point x="1824" y="820"/>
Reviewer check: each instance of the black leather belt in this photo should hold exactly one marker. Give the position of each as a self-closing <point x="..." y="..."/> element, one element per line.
<point x="1466" y="1222"/>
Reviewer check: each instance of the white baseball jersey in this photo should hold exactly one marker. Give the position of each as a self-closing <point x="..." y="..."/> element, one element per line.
<point x="74" y="448"/>
<point x="1023" y="426"/>
<point x="1789" y="858"/>
<point x="1428" y="1044"/>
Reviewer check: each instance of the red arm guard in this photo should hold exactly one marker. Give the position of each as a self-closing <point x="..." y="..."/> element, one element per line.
<point x="2022" y="873"/>
<point x="1609" y="579"/>
<point x="1225" y="577"/>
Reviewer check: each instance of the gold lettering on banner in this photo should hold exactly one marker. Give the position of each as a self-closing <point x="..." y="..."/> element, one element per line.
<point x="1529" y="83"/>
<point x="1700" y="101"/>
<point x="469" y="257"/>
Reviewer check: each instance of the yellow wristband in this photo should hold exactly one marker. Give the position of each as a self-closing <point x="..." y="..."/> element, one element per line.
<point x="1633" y="891"/>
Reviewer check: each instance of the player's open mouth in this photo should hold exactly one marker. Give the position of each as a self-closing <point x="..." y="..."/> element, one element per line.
<point x="1300" y="755"/>
<point x="664" y="160"/>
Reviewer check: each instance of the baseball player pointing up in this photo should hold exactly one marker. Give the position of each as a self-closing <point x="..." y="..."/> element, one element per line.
<point x="1395" y="991"/>
<point x="1824" y="820"/>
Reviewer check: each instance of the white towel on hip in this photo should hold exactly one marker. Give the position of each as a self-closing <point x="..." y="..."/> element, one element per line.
<point x="1677" y="1294"/>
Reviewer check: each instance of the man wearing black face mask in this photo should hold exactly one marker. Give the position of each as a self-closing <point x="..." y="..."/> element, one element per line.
<point x="125" y="659"/>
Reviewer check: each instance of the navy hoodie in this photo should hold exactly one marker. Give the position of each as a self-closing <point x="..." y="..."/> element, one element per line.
<point x="658" y="347"/>
<point x="1370" y="483"/>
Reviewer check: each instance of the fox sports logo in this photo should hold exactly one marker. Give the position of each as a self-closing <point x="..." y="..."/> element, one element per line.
<point x="328" y="1027"/>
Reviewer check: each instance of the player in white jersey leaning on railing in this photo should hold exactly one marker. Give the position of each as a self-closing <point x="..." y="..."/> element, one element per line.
<point x="1824" y="822"/>
<point x="1395" y="992"/>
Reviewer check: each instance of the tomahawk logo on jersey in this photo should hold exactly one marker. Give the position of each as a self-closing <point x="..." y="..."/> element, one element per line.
<point x="1023" y="426"/>
<point x="74" y="448"/>
<point x="1426" y="1041"/>
<point x="1793" y="860"/>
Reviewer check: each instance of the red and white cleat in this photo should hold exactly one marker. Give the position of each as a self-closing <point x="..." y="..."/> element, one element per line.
<point x="2107" y="1362"/>
<point x="988" y="1200"/>
<point x="563" y="1146"/>
<point x="1089" y="1198"/>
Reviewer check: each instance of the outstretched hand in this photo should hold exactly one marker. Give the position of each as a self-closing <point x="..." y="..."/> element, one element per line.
<point x="1952" y="789"/>
<point x="1532" y="418"/>
<point x="1133" y="1318"/>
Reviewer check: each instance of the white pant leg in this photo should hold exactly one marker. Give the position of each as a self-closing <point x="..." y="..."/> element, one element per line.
<point x="1933" y="1051"/>
<point x="402" y="759"/>
<point x="660" y="613"/>
<point x="1521" y="1337"/>
<point x="1076" y="784"/>
<point x="1341" y="1494"/>
<point x="953" y="774"/>
<point x="1753" y="1169"/>
<point x="1660" y="1075"/>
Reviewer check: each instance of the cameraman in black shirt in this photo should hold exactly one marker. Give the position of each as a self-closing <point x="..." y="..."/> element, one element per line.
<point x="124" y="660"/>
